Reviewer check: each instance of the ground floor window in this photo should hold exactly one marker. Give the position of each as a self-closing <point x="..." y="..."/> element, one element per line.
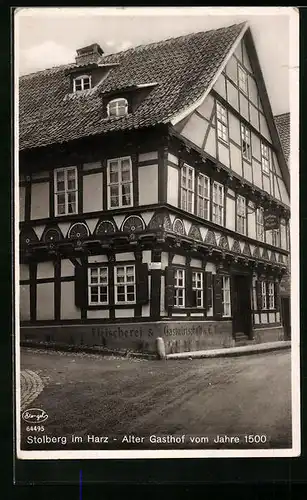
<point x="124" y="284"/>
<point x="226" y="296"/>
<point x="98" y="285"/>
<point x="179" y="288"/>
<point x="263" y="295"/>
<point x="271" y="295"/>
<point x="197" y="289"/>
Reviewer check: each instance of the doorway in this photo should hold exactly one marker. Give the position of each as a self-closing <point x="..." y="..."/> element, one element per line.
<point x="241" y="305"/>
<point x="286" y="317"/>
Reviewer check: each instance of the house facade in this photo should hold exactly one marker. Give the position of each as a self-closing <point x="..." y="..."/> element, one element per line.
<point x="154" y="198"/>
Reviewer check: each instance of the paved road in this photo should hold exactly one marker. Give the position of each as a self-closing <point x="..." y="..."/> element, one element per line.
<point x="86" y="394"/>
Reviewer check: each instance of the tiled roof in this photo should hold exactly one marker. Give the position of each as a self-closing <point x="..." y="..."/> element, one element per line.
<point x="283" y="127"/>
<point x="183" y="68"/>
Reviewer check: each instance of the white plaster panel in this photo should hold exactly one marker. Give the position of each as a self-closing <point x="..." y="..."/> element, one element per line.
<point x="152" y="155"/>
<point x="24" y="302"/>
<point x="45" y="301"/>
<point x="68" y="307"/>
<point x="148" y="185"/>
<point x="40" y="200"/>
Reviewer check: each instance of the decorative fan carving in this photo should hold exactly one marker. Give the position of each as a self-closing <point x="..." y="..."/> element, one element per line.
<point x="265" y="254"/>
<point x="133" y="223"/>
<point x="105" y="227"/>
<point x="236" y="247"/>
<point x="210" y="238"/>
<point x="281" y="258"/>
<point x="28" y="236"/>
<point x="195" y="233"/>
<point x="223" y="243"/>
<point x="247" y="250"/>
<point x="256" y="252"/>
<point x="78" y="230"/>
<point x="51" y="235"/>
<point x="178" y="227"/>
<point x="273" y="257"/>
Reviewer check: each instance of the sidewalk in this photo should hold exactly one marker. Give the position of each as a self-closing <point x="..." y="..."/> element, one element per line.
<point x="232" y="351"/>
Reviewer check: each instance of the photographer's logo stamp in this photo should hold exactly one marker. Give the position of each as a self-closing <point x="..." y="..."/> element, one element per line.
<point x="34" y="416"/>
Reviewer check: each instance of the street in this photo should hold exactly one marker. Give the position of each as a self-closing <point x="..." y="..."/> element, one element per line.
<point x="208" y="401"/>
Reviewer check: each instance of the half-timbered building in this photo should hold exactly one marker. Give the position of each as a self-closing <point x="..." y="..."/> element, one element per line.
<point x="154" y="197"/>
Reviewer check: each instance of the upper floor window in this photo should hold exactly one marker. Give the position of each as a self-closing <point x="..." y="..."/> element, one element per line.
<point x="65" y="191"/>
<point x="83" y="82"/>
<point x="218" y="203"/>
<point x="98" y="285"/>
<point x="117" y="107"/>
<point x="276" y="237"/>
<point x="265" y="159"/>
<point x="241" y="215"/>
<point x="222" y="122"/>
<point x="119" y="176"/>
<point x="187" y="188"/>
<point x="226" y="296"/>
<point x="125" y="284"/>
<point x="242" y="77"/>
<point x="259" y="224"/>
<point x="197" y="289"/>
<point x="179" y="288"/>
<point x="246" y="143"/>
<point x="203" y="196"/>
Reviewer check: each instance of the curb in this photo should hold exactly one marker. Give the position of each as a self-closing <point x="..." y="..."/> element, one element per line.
<point x="86" y="349"/>
<point x="232" y="351"/>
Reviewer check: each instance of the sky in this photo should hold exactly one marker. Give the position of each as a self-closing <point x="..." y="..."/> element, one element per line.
<point x="47" y="37"/>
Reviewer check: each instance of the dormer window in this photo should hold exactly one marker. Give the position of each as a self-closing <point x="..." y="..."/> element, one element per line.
<point x="82" y="82"/>
<point x="118" y="107"/>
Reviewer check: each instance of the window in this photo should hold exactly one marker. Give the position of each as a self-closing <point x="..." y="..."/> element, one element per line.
<point x="276" y="237"/>
<point x="124" y="284"/>
<point x="265" y="158"/>
<point x="179" y="288"/>
<point x="222" y="122"/>
<point x="241" y="214"/>
<point x="246" y="143"/>
<point x="226" y="295"/>
<point x="203" y="196"/>
<point x="259" y="224"/>
<point x="82" y="83"/>
<point x="120" y="183"/>
<point x="98" y="285"/>
<point x="117" y="107"/>
<point x="65" y="191"/>
<point x="271" y="286"/>
<point x="187" y="188"/>
<point x="218" y="203"/>
<point x="197" y="288"/>
<point x="263" y="295"/>
<point x="242" y="75"/>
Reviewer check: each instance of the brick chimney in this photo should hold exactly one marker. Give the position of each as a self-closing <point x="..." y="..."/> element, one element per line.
<point x="89" y="54"/>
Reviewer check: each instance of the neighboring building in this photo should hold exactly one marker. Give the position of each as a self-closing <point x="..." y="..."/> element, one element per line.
<point x="283" y="126"/>
<point x="147" y="178"/>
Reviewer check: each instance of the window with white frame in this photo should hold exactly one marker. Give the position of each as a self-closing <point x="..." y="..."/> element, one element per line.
<point x="117" y="107"/>
<point x="198" y="288"/>
<point x="203" y="196"/>
<point x="187" y="188"/>
<point x="271" y="295"/>
<point x="276" y="237"/>
<point x="218" y="203"/>
<point x="83" y="82"/>
<point x="120" y="192"/>
<point x="242" y="77"/>
<point x="259" y="224"/>
<point x="264" y="304"/>
<point x="222" y="122"/>
<point x="226" y="296"/>
<point x="98" y="285"/>
<point x="65" y="191"/>
<point x="125" y="284"/>
<point x="265" y="158"/>
<point x="246" y="142"/>
<point x="179" y="288"/>
<point x="241" y="215"/>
